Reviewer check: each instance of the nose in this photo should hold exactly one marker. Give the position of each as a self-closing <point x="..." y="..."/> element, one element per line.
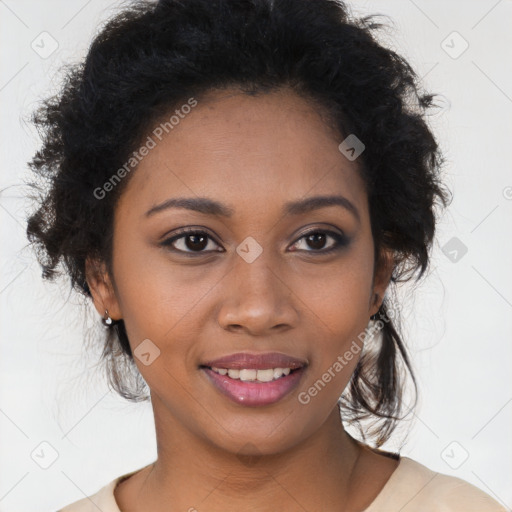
<point x="257" y="299"/>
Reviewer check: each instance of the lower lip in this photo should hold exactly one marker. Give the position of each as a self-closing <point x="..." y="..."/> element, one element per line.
<point x="253" y="393"/>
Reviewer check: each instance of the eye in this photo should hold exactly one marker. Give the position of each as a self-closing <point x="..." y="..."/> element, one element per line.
<point x="317" y="239"/>
<point x="191" y="241"/>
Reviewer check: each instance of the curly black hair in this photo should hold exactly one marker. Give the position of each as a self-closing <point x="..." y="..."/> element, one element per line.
<point x="152" y="57"/>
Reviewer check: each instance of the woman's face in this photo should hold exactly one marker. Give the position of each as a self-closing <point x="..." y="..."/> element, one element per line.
<point x="255" y="279"/>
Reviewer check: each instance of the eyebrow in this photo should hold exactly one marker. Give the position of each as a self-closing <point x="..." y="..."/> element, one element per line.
<point x="210" y="207"/>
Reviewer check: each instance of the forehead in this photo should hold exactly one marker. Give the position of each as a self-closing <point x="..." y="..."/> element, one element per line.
<point x="250" y="151"/>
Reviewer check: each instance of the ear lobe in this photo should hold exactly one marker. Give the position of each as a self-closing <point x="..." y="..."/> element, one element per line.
<point x="102" y="291"/>
<point x="382" y="278"/>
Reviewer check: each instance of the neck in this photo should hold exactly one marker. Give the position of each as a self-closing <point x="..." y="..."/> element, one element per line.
<point x="191" y="473"/>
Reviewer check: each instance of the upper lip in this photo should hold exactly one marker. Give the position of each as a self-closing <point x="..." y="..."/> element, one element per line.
<point x="260" y="361"/>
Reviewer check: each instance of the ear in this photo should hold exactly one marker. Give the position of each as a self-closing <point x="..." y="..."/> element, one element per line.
<point x="102" y="290"/>
<point x="381" y="279"/>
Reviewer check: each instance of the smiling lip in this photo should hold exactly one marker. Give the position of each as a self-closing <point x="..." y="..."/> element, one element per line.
<point x="255" y="393"/>
<point x="261" y="361"/>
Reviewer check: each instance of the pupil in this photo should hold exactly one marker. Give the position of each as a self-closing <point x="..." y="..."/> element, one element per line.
<point x="317" y="240"/>
<point x="198" y="242"/>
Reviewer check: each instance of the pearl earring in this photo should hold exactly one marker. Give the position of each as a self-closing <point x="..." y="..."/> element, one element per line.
<point x="106" y="319"/>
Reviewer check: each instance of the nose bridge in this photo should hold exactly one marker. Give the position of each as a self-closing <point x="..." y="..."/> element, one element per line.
<point x="257" y="279"/>
<point x="257" y="298"/>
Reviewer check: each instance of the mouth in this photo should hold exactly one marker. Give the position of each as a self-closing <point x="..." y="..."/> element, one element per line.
<point x="255" y="379"/>
<point x="253" y="374"/>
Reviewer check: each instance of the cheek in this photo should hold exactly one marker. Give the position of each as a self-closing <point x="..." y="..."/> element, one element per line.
<point x="339" y="294"/>
<point x="155" y="295"/>
<point x="337" y="304"/>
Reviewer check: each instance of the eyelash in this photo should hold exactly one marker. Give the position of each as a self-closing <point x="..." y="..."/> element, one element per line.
<point x="341" y="241"/>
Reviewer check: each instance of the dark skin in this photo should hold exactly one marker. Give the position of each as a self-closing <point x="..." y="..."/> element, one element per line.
<point x="253" y="154"/>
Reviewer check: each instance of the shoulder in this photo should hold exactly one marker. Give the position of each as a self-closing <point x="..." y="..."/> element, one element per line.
<point x="414" y="487"/>
<point x="103" y="499"/>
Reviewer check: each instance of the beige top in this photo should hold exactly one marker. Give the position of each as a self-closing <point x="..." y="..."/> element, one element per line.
<point x="412" y="487"/>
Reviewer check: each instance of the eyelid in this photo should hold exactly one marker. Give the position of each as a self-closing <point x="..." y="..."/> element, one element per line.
<point x="316" y="228"/>
<point x="182" y="233"/>
<point x="341" y="240"/>
<point x="339" y="236"/>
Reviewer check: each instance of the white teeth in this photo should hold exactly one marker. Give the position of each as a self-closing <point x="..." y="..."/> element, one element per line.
<point x="247" y="374"/>
<point x="234" y="374"/>
<point x="279" y="371"/>
<point x="265" y="375"/>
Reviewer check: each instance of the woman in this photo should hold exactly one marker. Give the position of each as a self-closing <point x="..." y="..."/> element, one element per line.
<point x="236" y="185"/>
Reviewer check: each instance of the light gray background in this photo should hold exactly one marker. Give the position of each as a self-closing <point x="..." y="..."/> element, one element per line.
<point x="458" y="323"/>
